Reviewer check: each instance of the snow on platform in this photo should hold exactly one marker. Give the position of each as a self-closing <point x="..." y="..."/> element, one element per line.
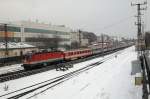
<point x="110" y="80"/>
<point x="10" y="68"/>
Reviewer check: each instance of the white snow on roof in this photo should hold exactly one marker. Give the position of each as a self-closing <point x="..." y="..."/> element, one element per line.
<point x="15" y="45"/>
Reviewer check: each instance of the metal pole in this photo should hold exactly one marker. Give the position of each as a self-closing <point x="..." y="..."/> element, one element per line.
<point x="6" y="40"/>
<point x="80" y="38"/>
<point x="102" y="42"/>
<point x="139" y="31"/>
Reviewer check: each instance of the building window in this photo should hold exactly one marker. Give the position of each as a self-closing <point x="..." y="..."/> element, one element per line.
<point x="10" y="28"/>
<point x="13" y="29"/>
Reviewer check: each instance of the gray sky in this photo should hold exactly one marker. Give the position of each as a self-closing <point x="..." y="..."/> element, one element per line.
<point x="113" y="17"/>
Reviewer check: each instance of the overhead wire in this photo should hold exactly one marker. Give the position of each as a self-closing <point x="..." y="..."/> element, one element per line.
<point x="116" y="23"/>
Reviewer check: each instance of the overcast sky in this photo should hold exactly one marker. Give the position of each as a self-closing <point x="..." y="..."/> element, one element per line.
<point x="113" y="17"/>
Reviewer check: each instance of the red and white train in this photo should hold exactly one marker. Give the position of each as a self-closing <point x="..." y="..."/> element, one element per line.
<point x="34" y="60"/>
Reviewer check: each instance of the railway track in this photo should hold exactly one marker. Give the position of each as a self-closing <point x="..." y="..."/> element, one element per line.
<point x="45" y="85"/>
<point x="23" y="73"/>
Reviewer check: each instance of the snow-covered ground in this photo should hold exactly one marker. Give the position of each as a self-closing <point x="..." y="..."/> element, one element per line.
<point x="10" y="68"/>
<point x="110" y="80"/>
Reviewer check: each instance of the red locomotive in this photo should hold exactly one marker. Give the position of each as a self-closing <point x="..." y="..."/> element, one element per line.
<point x="34" y="60"/>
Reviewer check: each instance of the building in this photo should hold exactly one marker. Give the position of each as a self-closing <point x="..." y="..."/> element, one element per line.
<point x="15" y="52"/>
<point x="78" y="40"/>
<point x="16" y="49"/>
<point x="38" y="34"/>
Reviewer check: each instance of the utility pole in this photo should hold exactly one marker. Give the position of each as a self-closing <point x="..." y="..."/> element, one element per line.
<point x="80" y="41"/>
<point x="139" y="26"/>
<point x="140" y="42"/>
<point x="6" y="40"/>
<point x="102" y="41"/>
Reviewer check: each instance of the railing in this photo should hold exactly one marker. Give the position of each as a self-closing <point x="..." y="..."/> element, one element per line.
<point x="145" y="65"/>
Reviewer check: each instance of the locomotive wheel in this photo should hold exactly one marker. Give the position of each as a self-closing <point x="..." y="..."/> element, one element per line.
<point x="44" y="64"/>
